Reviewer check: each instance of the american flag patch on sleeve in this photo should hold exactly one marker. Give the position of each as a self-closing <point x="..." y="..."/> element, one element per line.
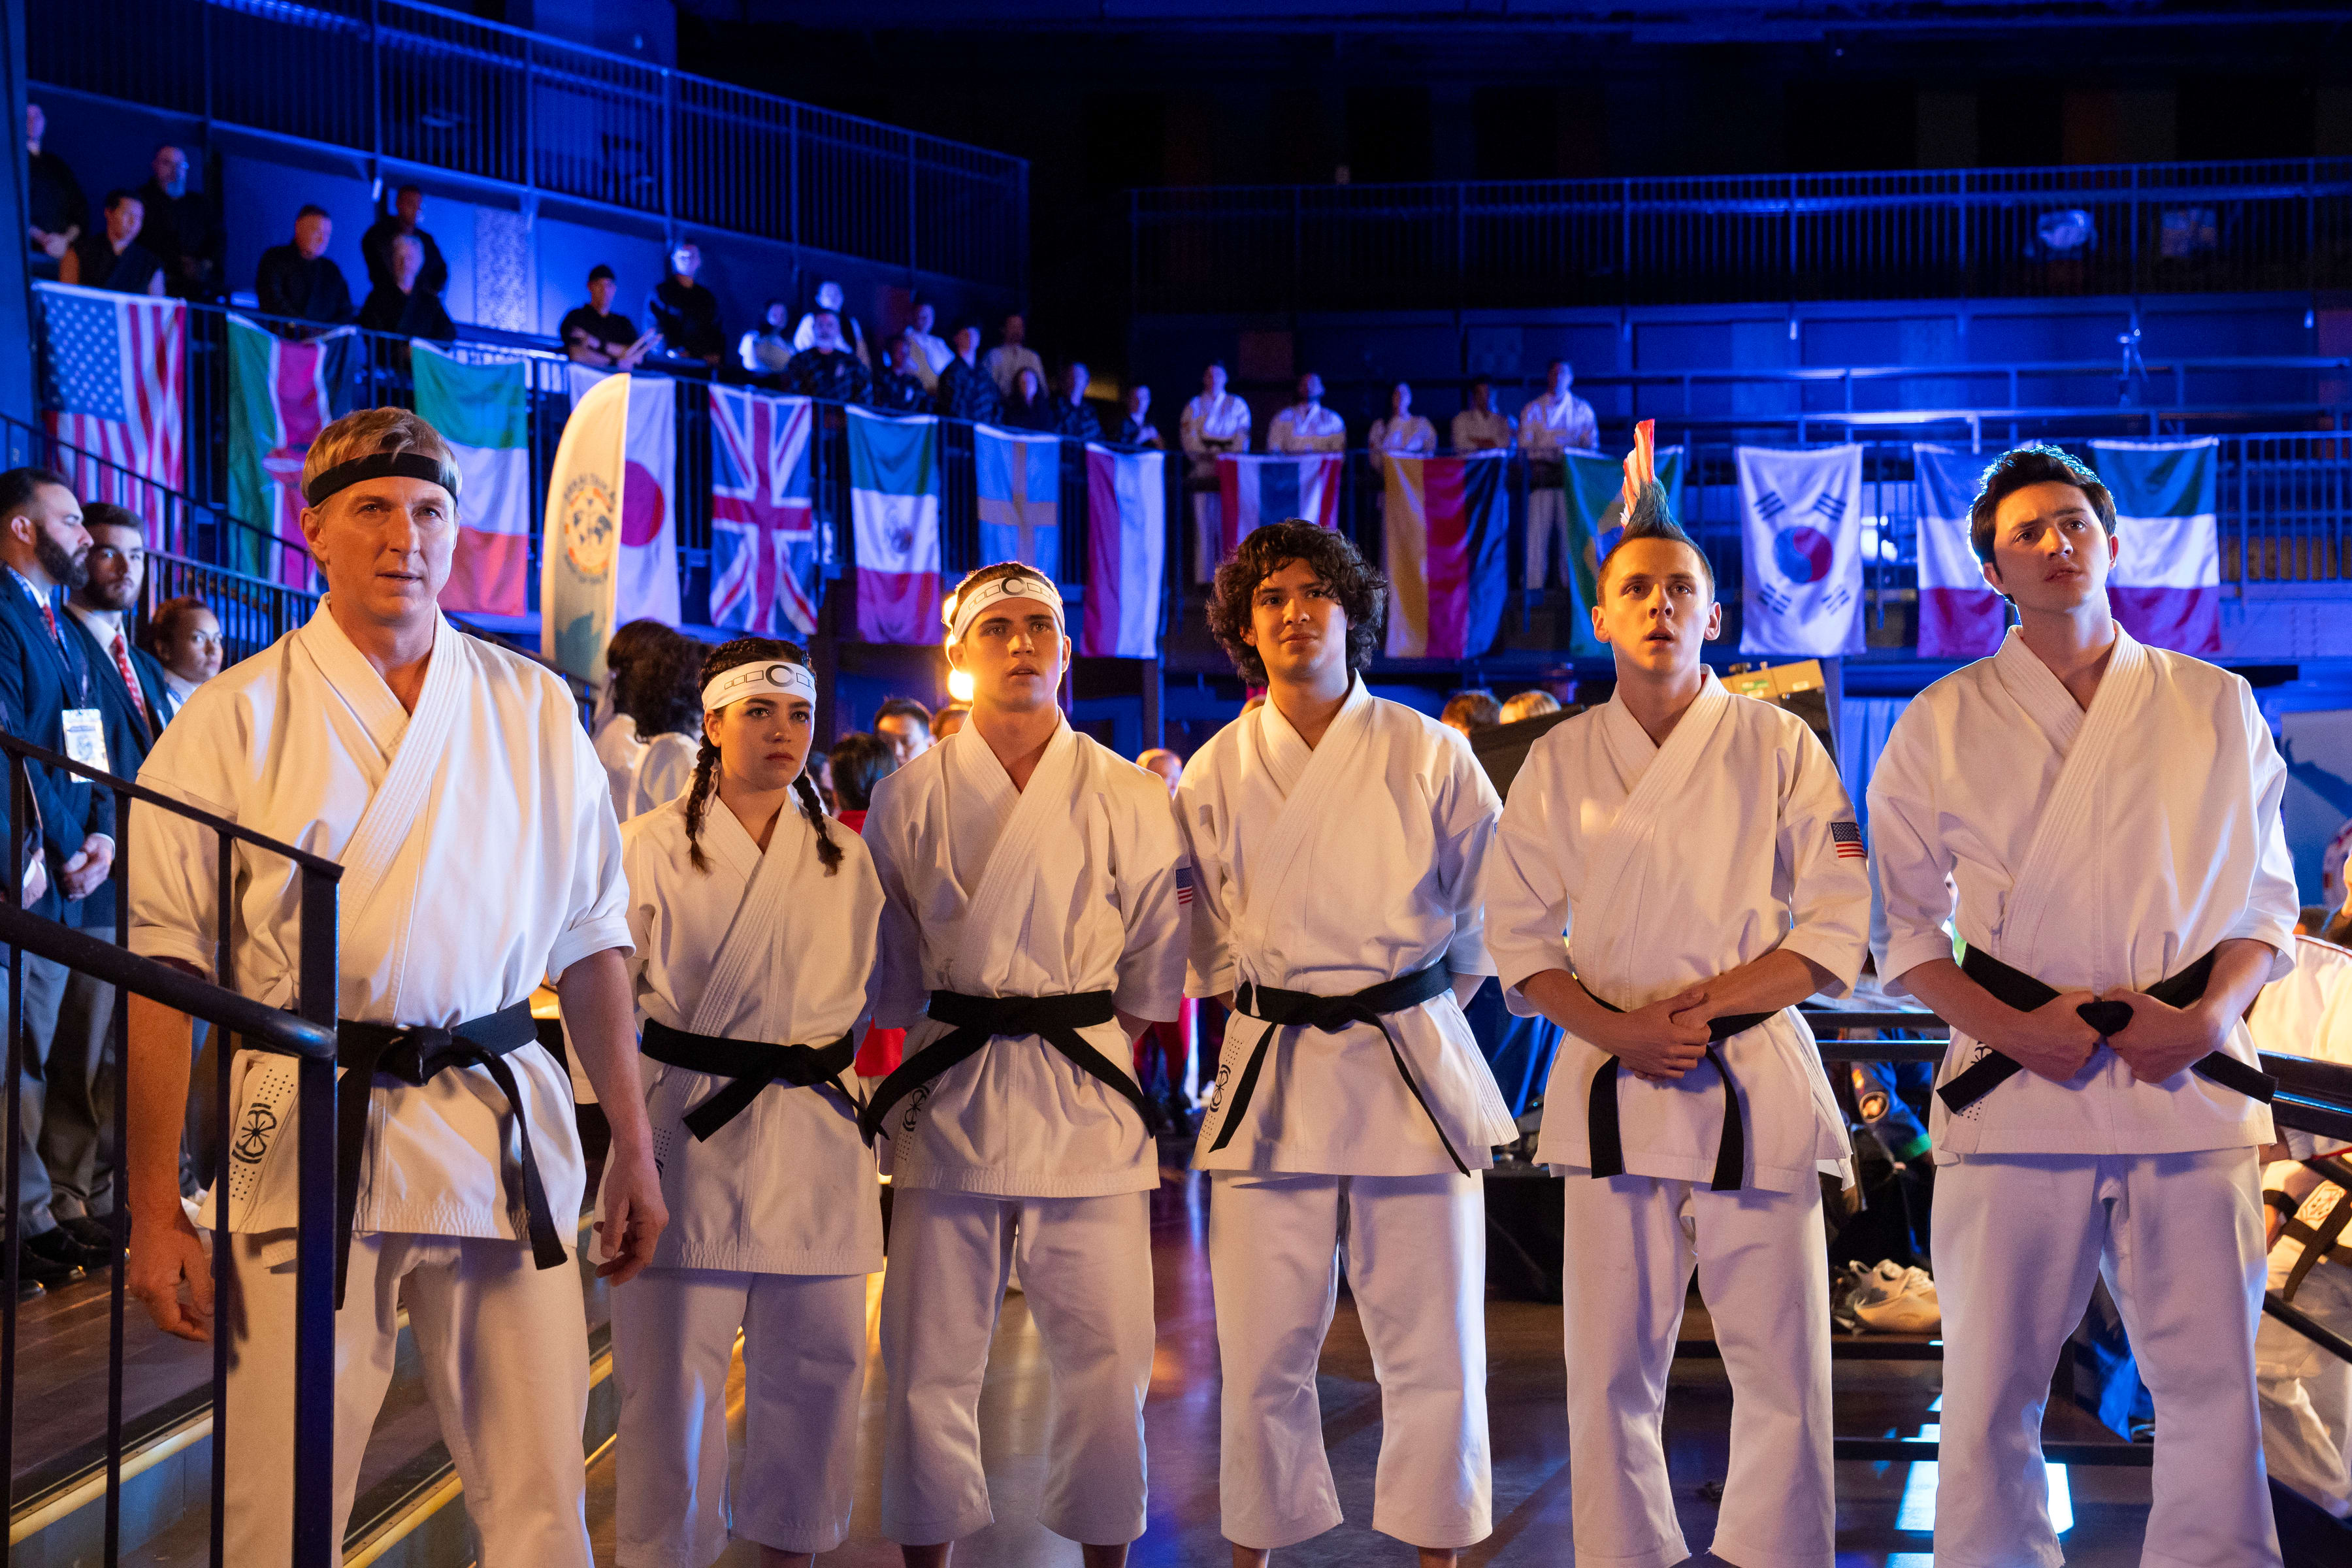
<point x="1847" y="837"/>
<point x="1184" y="883"/>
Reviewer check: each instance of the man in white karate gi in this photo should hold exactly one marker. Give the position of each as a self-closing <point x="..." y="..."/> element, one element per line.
<point x="1212" y="423"/>
<point x="2098" y="821"/>
<point x="1552" y="423"/>
<point x="1034" y="924"/>
<point x="1700" y="856"/>
<point x="453" y="782"/>
<point x="1337" y="839"/>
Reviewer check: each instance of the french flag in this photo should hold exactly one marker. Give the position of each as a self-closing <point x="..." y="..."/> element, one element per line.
<point x="2167" y="585"/>
<point x="1264" y="490"/>
<point x="1960" y="615"/>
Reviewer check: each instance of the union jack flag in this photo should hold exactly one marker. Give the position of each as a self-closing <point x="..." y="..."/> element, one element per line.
<point x="1847" y="837"/>
<point x="764" y="556"/>
<point x="114" y="371"/>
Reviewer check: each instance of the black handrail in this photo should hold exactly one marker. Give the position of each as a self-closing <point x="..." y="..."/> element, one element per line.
<point x="19" y="747"/>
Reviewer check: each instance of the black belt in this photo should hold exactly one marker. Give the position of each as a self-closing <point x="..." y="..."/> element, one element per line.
<point x="1280" y="1010"/>
<point x="976" y="1020"/>
<point x="752" y="1065"/>
<point x="414" y="1054"/>
<point x="2320" y="1241"/>
<point x="2022" y="992"/>
<point x="1607" y="1150"/>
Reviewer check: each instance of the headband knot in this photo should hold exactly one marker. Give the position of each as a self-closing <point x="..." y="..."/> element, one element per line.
<point x="380" y="466"/>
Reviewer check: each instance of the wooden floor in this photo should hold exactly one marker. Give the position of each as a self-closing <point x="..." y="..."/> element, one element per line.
<point x="1525" y="1396"/>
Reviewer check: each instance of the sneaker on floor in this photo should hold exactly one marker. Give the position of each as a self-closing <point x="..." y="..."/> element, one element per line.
<point x="1895" y="1300"/>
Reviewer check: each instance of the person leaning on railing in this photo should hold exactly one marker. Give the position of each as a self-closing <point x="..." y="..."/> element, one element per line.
<point x="596" y="334"/>
<point x="452" y="780"/>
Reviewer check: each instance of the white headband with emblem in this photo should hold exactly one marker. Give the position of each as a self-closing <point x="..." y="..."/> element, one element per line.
<point x="1019" y="585"/>
<point x="782" y="678"/>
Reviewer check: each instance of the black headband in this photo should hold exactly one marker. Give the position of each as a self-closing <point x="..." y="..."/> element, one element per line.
<point x="380" y="465"/>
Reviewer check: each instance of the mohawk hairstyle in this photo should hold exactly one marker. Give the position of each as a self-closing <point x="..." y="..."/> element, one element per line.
<point x="1653" y="517"/>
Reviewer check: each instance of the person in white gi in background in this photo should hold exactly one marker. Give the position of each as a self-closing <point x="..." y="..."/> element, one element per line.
<point x="1338" y="839"/>
<point x="1307" y="425"/>
<point x="1037" y="894"/>
<point x="1558" y="421"/>
<point x="754" y="922"/>
<point x="1481" y="427"/>
<point x="617" y="744"/>
<point x="2306" y="1391"/>
<point x="2108" y="814"/>
<point x="451" y="779"/>
<point x="1701" y="858"/>
<point x="1212" y="423"/>
<point x="1403" y="432"/>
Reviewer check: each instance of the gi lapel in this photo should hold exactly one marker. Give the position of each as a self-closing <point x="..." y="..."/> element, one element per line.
<point x="1308" y="791"/>
<point x="989" y="918"/>
<point x="753" y="934"/>
<point x="1637" y="820"/>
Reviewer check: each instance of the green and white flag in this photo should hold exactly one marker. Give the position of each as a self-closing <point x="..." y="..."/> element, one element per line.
<point x="483" y="411"/>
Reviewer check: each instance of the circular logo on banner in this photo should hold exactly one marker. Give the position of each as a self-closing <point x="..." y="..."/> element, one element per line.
<point x="590" y="532"/>
<point x="1802" y="553"/>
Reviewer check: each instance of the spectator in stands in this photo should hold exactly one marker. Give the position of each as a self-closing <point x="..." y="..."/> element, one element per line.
<point x="1533" y="704"/>
<point x="1472" y="711"/>
<point x="1213" y="424"/>
<point x="400" y="221"/>
<point x="1556" y="422"/>
<point x="932" y="354"/>
<point x="1166" y="763"/>
<point x="111" y="256"/>
<point x="1008" y="359"/>
<point x="298" y="280"/>
<point x="1028" y="408"/>
<point x="897" y="388"/>
<point x="965" y="391"/>
<point x="860" y="762"/>
<point x="853" y="336"/>
<point x="55" y="209"/>
<point x="949" y="719"/>
<point x="181" y="229"/>
<point x="1482" y="427"/>
<point x="1307" y="425"/>
<point x="906" y="724"/>
<point x="404" y="306"/>
<point x="1403" y="432"/>
<point x="596" y="334"/>
<point x="766" y="350"/>
<point x="826" y="368"/>
<point x="661" y="694"/>
<point x="1073" y="416"/>
<point x="684" y="313"/>
<point x="186" y="636"/>
<point x="1136" y="429"/>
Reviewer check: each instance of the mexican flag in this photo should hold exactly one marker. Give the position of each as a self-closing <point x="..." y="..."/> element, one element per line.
<point x="483" y="411"/>
<point x="280" y="395"/>
<point x="894" y="508"/>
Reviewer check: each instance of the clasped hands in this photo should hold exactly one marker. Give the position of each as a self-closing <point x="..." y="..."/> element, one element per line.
<point x="2055" y="1040"/>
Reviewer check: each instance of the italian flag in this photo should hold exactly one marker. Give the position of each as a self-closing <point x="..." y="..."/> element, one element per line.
<point x="483" y="411"/>
<point x="2167" y="585"/>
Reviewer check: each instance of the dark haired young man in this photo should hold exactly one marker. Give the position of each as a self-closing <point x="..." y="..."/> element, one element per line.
<point x="1700" y="856"/>
<point x="1339" y="840"/>
<point x="2099" y="822"/>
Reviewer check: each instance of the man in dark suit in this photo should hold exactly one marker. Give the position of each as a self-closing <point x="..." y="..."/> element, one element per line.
<point x="47" y="683"/>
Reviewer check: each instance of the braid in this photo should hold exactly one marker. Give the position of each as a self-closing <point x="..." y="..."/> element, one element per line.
<point x="828" y="853"/>
<point x="697" y="801"/>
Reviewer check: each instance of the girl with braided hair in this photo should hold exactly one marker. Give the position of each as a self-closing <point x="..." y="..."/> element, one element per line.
<point x="754" y="922"/>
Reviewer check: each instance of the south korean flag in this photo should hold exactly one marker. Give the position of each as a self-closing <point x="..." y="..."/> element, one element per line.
<point x="1800" y="515"/>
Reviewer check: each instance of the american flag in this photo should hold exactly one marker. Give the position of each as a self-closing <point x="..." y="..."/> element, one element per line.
<point x="113" y="371"/>
<point x="1185" y="883"/>
<point x="763" y="543"/>
<point x="1847" y="837"/>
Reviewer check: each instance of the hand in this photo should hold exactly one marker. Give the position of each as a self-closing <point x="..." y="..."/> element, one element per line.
<point x="54" y="246"/>
<point x="2273" y="1222"/>
<point x="635" y="1215"/>
<point x="2163" y="1040"/>
<point x="80" y="875"/>
<point x="1663" y="1040"/>
<point x="2051" y="1041"/>
<point x="37" y="880"/>
<point x="166" y="1253"/>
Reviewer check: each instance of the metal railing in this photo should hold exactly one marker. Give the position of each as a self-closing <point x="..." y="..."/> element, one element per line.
<point x="432" y="89"/>
<point x="2277" y="224"/>
<point x="307" y="1033"/>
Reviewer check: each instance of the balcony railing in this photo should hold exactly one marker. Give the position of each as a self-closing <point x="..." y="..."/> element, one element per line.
<point x="426" y="87"/>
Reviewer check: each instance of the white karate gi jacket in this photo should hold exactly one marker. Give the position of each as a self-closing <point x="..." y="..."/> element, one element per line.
<point x="480" y="857"/>
<point x="1548" y="428"/>
<point x="1306" y="429"/>
<point x="1067" y="886"/>
<point x="1211" y="426"/>
<point x="1328" y="870"/>
<point x="2100" y="849"/>
<point x="1665" y="865"/>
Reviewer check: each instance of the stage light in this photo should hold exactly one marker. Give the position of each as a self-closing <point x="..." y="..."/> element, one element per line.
<point x="959" y="684"/>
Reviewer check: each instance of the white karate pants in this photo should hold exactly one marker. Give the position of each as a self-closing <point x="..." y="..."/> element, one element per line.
<point x="2306" y="1393"/>
<point x="1086" y="1270"/>
<point x="1629" y="1244"/>
<point x="504" y="1350"/>
<point x="804" y="1374"/>
<point x="1547" y="518"/>
<point x="1416" y="1259"/>
<point x="2179" y="1238"/>
<point x="1208" y="533"/>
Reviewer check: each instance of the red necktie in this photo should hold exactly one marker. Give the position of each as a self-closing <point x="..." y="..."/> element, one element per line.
<point x="50" y="616"/>
<point x="130" y="679"/>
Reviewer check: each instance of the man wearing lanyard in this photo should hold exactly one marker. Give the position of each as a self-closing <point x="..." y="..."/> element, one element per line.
<point x="44" y="679"/>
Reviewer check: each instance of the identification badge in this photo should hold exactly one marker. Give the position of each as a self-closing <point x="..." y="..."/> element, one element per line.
<point x="86" y="738"/>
